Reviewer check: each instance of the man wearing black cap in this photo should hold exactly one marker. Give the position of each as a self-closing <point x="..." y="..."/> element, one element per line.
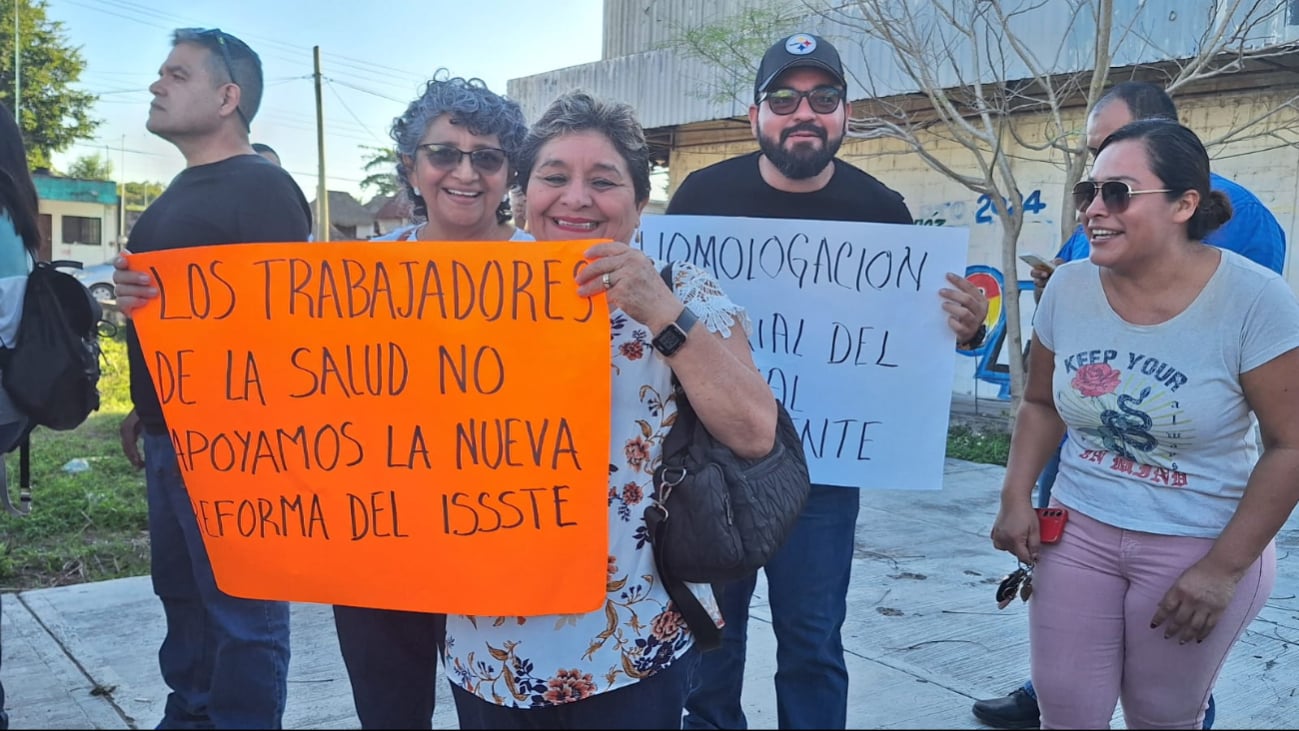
<point x="799" y="117"/>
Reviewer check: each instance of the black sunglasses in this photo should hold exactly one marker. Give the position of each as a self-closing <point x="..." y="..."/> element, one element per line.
<point x="219" y="36"/>
<point x="1116" y="194"/>
<point x="485" y="160"/>
<point x="823" y="100"/>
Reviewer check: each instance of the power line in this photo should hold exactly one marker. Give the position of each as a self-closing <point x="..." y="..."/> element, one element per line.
<point x="366" y="71"/>
<point x="349" y="111"/>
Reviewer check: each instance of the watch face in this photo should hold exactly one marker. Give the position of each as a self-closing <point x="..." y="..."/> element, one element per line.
<point x="670" y="340"/>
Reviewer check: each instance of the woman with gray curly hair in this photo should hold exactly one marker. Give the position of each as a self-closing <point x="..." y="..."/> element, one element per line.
<point x="584" y="169"/>
<point x="456" y="144"/>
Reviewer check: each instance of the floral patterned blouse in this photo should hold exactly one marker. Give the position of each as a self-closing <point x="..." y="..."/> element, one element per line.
<point x="527" y="662"/>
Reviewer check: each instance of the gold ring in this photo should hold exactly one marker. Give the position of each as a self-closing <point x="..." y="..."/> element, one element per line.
<point x="606" y="280"/>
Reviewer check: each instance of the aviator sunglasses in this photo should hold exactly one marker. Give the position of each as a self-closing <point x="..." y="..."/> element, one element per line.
<point x="485" y="160"/>
<point x="220" y="37"/>
<point x="1114" y="193"/>
<point x="823" y="100"/>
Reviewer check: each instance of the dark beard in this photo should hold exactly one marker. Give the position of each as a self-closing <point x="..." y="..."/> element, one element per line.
<point x="799" y="164"/>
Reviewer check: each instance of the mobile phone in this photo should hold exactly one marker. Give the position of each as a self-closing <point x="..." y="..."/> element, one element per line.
<point x="1051" y="522"/>
<point x="1034" y="260"/>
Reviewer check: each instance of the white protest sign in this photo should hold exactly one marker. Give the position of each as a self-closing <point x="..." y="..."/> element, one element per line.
<point x="848" y="329"/>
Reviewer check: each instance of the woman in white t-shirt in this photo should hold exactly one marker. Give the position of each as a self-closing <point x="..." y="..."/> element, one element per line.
<point x="457" y="144"/>
<point x="1151" y="359"/>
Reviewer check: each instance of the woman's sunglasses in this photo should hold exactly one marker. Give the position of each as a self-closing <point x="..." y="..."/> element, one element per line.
<point x="1114" y="193"/>
<point x="485" y="160"/>
<point x="823" y="100"/>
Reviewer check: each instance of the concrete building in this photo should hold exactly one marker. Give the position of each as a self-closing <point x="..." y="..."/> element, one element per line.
<point x="78" y="218"/>
<point x="691" y="130"/>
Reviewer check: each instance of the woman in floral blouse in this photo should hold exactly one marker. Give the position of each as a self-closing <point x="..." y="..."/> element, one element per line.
<point x="584" y="168"/>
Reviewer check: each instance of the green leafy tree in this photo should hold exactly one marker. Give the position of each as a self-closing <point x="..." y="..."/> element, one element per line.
<point x="732" y="46"/>
<point x="380" y="170"/>
<point x="139" y="195"/>
<point x="53" y="114"/>
<point x="91" y="167"/>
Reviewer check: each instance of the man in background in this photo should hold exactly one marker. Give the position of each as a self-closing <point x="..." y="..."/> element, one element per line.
<point x="225" y="659"/>
<point x="799" y="116"/>
<point x="268" y="152"/>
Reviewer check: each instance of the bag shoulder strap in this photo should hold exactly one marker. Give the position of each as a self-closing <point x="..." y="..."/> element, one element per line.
<point x="24" y="506"/>
<point x="708" y="636"/>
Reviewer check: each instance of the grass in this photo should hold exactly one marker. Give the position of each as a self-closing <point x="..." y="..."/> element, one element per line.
<point x="93" y="525"/>
<point x="84" y="526"/>
<point x="974" y="445"/>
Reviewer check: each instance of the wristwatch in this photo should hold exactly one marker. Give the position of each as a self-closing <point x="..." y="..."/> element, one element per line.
<point x="672" y="337"/>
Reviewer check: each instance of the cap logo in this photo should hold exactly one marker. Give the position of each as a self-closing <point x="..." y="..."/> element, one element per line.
<point x="800" y="44"/>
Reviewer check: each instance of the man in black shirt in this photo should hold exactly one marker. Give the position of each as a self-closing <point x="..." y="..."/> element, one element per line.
<point x="799" y="117"/>
<point x="225" y="659"/>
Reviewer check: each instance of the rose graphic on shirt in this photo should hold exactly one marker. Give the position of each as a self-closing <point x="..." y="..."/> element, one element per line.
<point x="1096" y="379"/>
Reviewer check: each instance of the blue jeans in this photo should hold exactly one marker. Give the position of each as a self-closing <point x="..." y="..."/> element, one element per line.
<point x="649" y="703"/>
<point x="807" y="587"/>
<point x="392" y="661"/>
<point x="225" y="659"/>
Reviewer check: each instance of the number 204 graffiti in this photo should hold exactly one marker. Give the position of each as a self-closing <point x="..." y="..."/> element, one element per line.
<point x="987" y="212"/>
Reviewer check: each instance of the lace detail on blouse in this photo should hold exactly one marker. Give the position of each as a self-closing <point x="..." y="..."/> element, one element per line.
<point x="701" y="293"/>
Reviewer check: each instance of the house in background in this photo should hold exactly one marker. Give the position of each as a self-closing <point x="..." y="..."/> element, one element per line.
<point x="78" y="218"/>
<point x="348" y="219"/>
<point x="390" y="212"/>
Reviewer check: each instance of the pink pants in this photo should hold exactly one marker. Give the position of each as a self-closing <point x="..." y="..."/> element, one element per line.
<point x="1094" y="594"/>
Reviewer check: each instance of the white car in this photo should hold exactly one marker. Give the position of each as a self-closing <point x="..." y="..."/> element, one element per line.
<point x="98" y="278"/>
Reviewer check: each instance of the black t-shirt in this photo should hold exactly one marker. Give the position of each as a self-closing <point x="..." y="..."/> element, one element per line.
<point x="242" y="199"/>
<point x="735" y="188"/>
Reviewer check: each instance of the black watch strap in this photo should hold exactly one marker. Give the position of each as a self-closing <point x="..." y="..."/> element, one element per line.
<point x="672" y="337"/>
<point x="976" y="339"/>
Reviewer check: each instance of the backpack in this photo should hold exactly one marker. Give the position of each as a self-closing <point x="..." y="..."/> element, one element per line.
<point x="52" y="372"/>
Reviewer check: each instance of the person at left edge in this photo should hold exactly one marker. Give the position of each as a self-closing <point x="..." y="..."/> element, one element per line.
<point x="225" y="659"/>
<point x="20" y="239"/>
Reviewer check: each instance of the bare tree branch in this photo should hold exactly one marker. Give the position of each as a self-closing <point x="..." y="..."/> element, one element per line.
<point x="966" y="72"/>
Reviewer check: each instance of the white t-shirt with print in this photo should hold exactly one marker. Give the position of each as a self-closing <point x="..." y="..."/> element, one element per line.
<point x="548" y="660"/>
<point x="1160" y="437"/>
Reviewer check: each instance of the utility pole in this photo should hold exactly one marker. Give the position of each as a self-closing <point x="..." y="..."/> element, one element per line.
<point x="121" y="196"/>
<point x="322" y="193"/>
<point x="18" y="72"/>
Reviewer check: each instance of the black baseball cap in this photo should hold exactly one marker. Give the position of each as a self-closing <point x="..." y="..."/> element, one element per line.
<point x="798" y="50"/>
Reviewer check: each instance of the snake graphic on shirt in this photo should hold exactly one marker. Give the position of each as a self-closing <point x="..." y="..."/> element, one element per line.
<point x="1128" y="427"/>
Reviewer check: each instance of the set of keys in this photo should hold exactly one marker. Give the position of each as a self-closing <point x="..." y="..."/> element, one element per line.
<point x="1017" y="583"/>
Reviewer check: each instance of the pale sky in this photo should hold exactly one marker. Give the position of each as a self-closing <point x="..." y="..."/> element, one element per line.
<point x="374" y="58"/>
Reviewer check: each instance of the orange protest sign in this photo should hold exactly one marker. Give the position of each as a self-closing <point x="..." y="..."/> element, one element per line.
<point x="397" y="425"/>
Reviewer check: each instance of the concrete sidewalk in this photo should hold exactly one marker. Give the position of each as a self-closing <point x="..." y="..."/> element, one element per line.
<point x="924" y="636"/>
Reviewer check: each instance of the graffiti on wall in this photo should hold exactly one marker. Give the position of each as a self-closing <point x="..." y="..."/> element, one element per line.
<point x="957" y="213"/>
<point x="992" y="364"/>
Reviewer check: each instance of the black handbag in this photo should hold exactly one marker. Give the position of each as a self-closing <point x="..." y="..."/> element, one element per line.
<point x="715" y="516"/>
